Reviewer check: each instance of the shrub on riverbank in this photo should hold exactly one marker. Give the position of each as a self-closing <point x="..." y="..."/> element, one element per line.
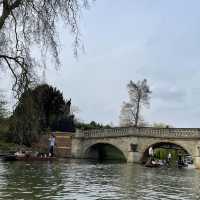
<point x="91" y="125"/>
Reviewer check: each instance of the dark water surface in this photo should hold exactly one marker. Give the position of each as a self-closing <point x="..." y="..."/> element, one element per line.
<point x="77" y="180"/>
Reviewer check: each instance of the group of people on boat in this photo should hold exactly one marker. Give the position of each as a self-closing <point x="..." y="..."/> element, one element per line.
<point x="152" y="162"/>
<point x="29" y="154"/>
<point x="183" y="160"/>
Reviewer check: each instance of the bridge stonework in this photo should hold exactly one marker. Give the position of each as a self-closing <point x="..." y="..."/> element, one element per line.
<point x="124" y="138"/>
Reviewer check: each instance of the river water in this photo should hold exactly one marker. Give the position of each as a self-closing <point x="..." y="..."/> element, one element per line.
<point x="69" y="179"/>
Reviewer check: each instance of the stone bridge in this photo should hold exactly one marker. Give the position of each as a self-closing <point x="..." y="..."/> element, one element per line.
<point x="133" y="143"/>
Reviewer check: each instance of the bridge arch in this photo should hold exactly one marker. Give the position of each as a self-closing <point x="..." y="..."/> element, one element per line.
<point x="165" y="144"/>
<point x="104" y="151"/>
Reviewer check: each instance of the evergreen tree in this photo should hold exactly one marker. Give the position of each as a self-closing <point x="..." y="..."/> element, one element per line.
<point x="39" y="110"/>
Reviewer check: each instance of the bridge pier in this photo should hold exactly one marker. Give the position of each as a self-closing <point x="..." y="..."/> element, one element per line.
<point x="77" y="148"/>
<point x="197" y="162"/>
<point x="134" y="157"/>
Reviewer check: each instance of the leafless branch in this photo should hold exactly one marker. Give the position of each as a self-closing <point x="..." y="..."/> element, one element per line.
<point x="27" y="23"/>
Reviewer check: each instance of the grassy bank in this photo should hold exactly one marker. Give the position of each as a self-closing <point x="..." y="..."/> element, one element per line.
<point x="7" y="146"/>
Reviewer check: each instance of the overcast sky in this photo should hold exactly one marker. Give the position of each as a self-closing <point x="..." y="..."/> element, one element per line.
<point x="131" y="40"/>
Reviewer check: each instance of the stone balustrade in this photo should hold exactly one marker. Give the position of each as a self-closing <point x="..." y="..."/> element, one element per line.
<point x="187" y="133"/>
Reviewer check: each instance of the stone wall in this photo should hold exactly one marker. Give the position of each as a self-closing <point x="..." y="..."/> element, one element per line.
<point x="63" y="144"/>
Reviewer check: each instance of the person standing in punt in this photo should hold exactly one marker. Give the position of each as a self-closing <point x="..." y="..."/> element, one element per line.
<point x="151" y="152"/>
<point x="52" y="143"/>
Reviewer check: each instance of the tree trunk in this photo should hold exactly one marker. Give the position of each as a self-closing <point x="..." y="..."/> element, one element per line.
<point x="137" y="112"/>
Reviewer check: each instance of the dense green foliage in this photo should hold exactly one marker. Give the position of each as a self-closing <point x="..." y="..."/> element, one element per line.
<point x="162" y="125"/>
<point x="4" y="127"/>
<point x="91" y="125"/>
<point x="161" y="153"/>
<point x="38" y="111"/>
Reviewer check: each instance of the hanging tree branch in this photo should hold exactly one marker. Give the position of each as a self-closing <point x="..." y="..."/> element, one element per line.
<point x="28" y="23"/>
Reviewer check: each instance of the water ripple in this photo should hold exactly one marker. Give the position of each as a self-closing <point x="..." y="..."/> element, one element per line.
<point x="68" y="180"/>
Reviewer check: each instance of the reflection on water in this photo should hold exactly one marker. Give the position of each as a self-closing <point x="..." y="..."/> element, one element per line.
<point x="77" y="180"/>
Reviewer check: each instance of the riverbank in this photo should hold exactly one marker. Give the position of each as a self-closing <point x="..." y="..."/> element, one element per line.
<point x="7" y="146"/>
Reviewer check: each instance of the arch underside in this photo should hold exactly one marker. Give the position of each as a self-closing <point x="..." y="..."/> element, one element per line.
<point x="104" y="151"/>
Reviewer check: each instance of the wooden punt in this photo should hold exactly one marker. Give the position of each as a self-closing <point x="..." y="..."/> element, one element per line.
<point x="150" y="164"/>
<point x="27" y="158"/>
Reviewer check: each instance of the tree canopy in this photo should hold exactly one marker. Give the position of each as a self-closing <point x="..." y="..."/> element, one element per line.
<point x="25" y="24"/>
<point x="161" y="125"/>
<point x="139" y="95"/>
<point x="39" y="110"/>
<point x="91" y="125"/>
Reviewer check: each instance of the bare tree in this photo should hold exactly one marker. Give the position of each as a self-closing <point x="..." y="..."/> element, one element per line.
<point x="139" y="95"/>
<point x="25" y="24"/>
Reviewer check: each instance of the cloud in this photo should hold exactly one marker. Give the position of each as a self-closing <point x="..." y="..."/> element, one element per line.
<point x="156" y="40"/>
<point x="170" y="94"/>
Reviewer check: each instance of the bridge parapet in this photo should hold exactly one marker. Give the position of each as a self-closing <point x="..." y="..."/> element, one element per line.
<point x="187" y="133"/>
